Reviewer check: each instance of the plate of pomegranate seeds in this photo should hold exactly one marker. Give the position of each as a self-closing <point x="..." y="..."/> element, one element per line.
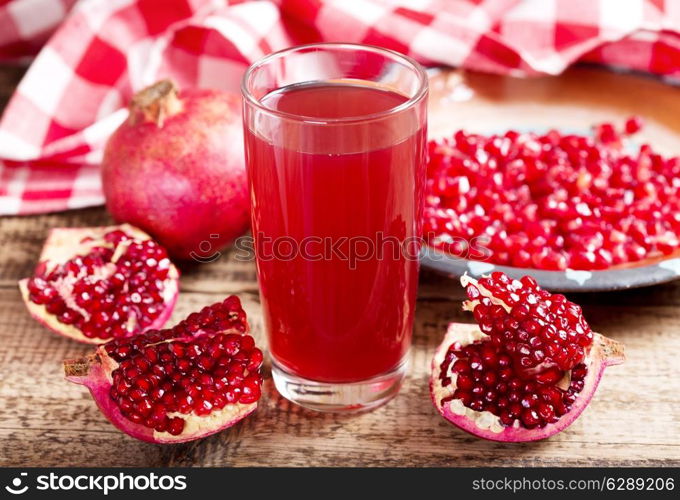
<point x="584" y="199"/>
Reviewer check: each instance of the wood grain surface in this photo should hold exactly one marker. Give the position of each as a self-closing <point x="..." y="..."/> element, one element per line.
<point x="634" y="419"/>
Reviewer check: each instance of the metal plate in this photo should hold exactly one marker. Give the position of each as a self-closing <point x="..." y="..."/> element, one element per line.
<point x="560" y="281"/>
<point x="575" y="100"/>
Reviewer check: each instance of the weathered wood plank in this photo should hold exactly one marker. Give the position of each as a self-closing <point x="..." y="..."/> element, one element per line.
<point x="42" y="412"/>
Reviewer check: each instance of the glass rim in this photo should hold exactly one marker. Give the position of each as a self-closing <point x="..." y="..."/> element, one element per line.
<point x="420" y="93"/>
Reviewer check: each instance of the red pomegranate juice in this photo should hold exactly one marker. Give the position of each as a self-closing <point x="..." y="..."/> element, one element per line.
<point x="332" y="207"/>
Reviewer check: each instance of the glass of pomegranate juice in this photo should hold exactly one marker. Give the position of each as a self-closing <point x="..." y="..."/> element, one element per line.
<point x="335" y="143"/>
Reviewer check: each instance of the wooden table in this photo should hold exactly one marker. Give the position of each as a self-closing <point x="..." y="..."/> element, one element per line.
<point x="634" y="419"/>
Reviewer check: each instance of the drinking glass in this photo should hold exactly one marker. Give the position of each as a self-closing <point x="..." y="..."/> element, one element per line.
<point x="335" y="150"/>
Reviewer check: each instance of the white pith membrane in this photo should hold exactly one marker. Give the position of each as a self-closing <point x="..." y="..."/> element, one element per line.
<point x="96" y="375"/>
<point x="62" y="245"/>
<point x="603" y="352"/>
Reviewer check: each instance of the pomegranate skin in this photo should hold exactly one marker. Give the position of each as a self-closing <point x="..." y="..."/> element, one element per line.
<point x="180" y="175"/>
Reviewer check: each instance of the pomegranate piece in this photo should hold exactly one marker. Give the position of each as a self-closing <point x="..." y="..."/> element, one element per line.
<point x="528" y="368"/>
<point x="552" y="201"/>
<point x="176" y="169"/>
<point x="633" y="125"/>
<point x="177" y="384"/>
<point x="98" y="283"/>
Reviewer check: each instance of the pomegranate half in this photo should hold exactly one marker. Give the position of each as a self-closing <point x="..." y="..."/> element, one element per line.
<point x="528" y="368"/>
<point x="97" y="283"/>
<point x="177" y="384"/>
<point x="176" y="169"/>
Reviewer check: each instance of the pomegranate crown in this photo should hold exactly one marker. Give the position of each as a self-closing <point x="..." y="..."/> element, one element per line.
<point x="156" y="103"/>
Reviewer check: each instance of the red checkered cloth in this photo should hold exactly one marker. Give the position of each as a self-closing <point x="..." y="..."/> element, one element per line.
<point x="74" y="94"/>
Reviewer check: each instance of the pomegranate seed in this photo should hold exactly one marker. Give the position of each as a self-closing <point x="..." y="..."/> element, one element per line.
<point x="175" y="426"/>
<point x="247" y="343"/>
<point x="633" y="125"/>
<point x="255" y="360"/>
<point x="530" y="418"/>
<point x="549" y="377"/>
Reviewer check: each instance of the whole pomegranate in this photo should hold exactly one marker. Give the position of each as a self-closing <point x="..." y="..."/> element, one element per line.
<point x="177" y="384"/>
<point x="93" y="284"/>
<point x="176" y="169"/>
<point x="527" y="369"/>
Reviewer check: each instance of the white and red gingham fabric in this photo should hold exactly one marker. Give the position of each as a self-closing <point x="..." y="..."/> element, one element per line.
<point x="73" y="96"/>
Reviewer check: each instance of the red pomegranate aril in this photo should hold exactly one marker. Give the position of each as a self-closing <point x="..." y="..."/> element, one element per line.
<point x="476" y="405"/>
<point x="206" y="362"/>
<point x="530" y="418"/>
<point x="203" y="407"/>
<point x="157" y="394"/>
<point x="144" y="407"/>
<point x="232" y="394"/>
<point x="143" y="384"/>
<point x="255" y="359"/>
<point x="518" y="380"/>
<point x="175" y="426"/>
<point x="553" y="201"/>
<point x="529" y="400"/>
<point x="136" y="394"/>
<point x="489" y="378"/>
<point x="247" y="343"/>
<point x="507" y="418"/>
<point x="550" y="376"/>
<point x="219" y="401"/>
<point x="250" y="390"/>
<point x="633" y="125"/>
<point x="135" y="417"/>
<point x="477" y="390"/>
<point x="465" y="382"/>
<point x="514" y="396"/>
